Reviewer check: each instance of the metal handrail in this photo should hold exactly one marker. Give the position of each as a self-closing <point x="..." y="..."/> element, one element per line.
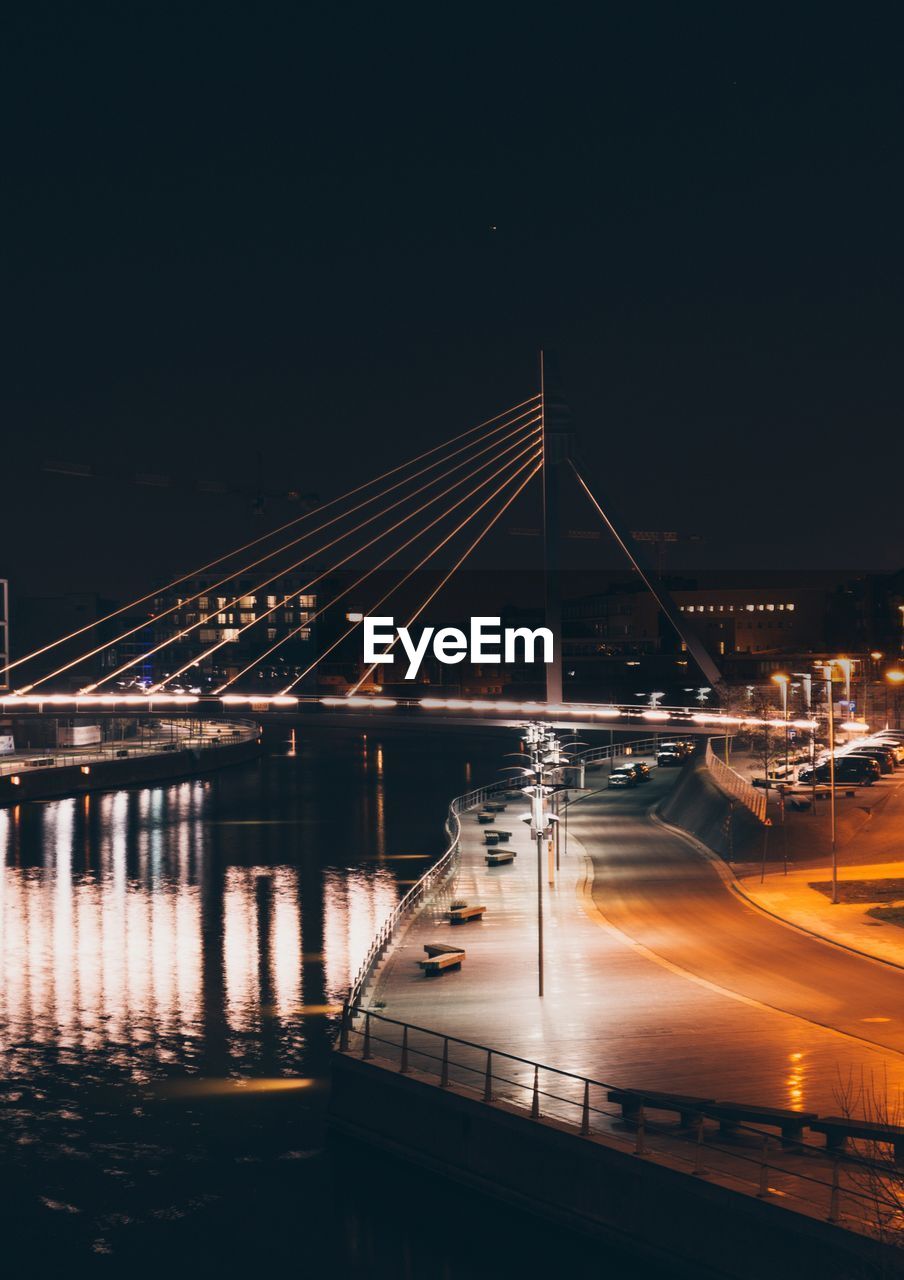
<point x="728" y="780"/>
<point x="485" y="1075"/>
<point x="234" y="731"/>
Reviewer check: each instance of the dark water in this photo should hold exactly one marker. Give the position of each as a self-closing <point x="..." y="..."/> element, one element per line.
<point x="171" y="962"/>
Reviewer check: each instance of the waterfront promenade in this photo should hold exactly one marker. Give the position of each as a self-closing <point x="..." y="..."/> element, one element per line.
<point x="657" y="976"/>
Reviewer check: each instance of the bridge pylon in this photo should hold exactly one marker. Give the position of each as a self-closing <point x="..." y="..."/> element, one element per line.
<point x="558" y="446"/>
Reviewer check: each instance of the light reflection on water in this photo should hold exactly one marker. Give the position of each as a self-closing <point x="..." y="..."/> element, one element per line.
<point x="193" y="926"/>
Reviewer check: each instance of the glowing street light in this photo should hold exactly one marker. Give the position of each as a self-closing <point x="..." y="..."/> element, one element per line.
<point x="783" y="681"/>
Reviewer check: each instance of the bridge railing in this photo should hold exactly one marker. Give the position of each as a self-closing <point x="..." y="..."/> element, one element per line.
<point x="797" y="1174"/>
<point x="221" y="735"/>
<point x="445" y="866"/>
<point x="731" y="782"/>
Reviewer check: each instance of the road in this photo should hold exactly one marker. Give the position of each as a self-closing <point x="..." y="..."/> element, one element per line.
<point x="659" y="890"/>
<point x="661" y="978"/>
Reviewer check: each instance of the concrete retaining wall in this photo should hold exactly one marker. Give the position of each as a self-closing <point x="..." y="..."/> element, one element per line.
<point x="698" y="806"/>
<point x="698" y="1229"/>
<point x="168" y="766"/>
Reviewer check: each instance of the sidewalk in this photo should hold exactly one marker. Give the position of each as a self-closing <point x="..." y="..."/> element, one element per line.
<point x="612" y="1010"/>
<point x="792" y="899"/>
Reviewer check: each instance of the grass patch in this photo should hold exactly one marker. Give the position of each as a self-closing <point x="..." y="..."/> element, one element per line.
<point x="863" y="890"/>
<point x="888" y="915"/>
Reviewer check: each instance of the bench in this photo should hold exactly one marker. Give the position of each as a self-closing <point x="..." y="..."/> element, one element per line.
<point x="440" y="948"/>
<point x="498" y="857"/>
<point x="491" y="837"/>
<point x="439" y="963"/>
<point x="484" y="818"/>
<point x="839" y="1128"/>
<point x="504" y="836"/>
<point x="461" y="915"/>
<point x="494" y="808"/>
<point x="689" y="1108"/>
<point x="731" y="1114"/>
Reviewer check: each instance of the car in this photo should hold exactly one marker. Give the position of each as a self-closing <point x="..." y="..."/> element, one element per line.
<point x="670" y="759"/>
<point x="640" y="770"/>
<point x="623" y="778"/>
<point x="862" y="771"/>
<point x="885" y="759"/>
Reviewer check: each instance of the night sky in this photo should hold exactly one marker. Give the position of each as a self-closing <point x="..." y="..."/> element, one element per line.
<point x="333" y="235"/>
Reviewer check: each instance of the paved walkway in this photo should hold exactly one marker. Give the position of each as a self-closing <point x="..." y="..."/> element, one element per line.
<point x="626" y="1001"/>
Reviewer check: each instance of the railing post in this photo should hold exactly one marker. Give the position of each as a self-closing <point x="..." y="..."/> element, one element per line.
<point x="585" y="1111"/>
<point x="444" y="1070"/>
<point x="698" y="1158"/>
<point x="833" y="1199"/>
<point x="488" y="1081"/>
<point x="403" y="1069"/>
<point x="535" y="1101"/>
<point x="764" y="1172"/>
<point x="366" y="1052"/>
<point x="640" y="1148"/>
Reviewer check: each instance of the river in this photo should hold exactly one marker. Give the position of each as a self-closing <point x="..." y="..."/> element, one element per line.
<point x="172" y="960"/>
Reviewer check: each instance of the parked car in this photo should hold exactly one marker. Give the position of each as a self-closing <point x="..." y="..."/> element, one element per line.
<point x="885" y="759"/>
<point x="623" y="777"/>
<point x="861" y="771"/>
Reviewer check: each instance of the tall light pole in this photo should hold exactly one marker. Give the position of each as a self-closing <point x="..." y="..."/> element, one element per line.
<point x="782" y="682"/>
<point x="828" y="670"/>
<point x="895" y="679"/>
<point x="536" y="738"/>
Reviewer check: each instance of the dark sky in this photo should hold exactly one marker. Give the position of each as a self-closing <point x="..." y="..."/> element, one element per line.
<point x="230" y="230"/>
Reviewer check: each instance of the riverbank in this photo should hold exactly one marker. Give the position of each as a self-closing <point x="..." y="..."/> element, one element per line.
<point x="52" y="774"/>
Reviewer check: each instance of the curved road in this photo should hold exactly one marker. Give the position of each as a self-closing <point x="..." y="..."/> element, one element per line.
<point x="661" y="891"/>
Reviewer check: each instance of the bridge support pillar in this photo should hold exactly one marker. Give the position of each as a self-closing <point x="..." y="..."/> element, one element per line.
<point x="557" y="448"/>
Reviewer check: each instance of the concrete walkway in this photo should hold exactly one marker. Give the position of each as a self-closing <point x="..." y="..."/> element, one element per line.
<point x="617" y="1007"/>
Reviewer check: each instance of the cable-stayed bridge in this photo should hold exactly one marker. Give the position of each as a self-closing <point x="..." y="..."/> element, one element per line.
<point x="202" y="640"/>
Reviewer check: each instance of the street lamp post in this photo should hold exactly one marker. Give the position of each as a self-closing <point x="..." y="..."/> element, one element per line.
<point x="782" y="682"/>
<point x="828" y="670"/>
<point x="893" y="679"/>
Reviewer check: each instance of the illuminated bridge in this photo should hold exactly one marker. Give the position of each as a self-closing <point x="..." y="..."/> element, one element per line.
<point x="176" y="648"/>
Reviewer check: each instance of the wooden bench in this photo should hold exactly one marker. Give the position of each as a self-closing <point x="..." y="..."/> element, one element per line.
<point x="732" y="1114"/>
<point x="439" y="963"/>
<point x="484" y="818"/>
<point x="498" y="857"/>
<point x="491" y="837"/>
<point x="440" y="948"/>
<point x="461" y="915"/>
<point x="839" y="1128"/>
<point x="688" y="1108"/>
<point x="504" y="836"/>
<point x="494" y="808"/>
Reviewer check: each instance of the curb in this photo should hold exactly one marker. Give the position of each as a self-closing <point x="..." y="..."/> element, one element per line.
<point x="733" y="884"/>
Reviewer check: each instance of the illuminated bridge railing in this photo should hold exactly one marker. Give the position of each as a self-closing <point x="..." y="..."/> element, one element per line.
<point x="736" y="786"/>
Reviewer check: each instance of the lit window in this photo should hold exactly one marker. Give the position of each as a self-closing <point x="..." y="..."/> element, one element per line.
<point x="272" y="602"/>
<point x="790" y="607"/>
<point x="271" y="633"/>
<point x="247" y="617"/>
<point x="771" y="608"/>
<point x="307" y="602"/>
<point x="203" y="602"/>
<point x="750" y="608"/>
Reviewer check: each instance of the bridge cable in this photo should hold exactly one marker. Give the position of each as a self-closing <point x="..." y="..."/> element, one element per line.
<point x="456" y="566"/>
<point x="180" y="635"/>
<point x="521" y="428"/>
<point x="195" y="661"/>
<point x="133" y="604"/>
<point x="375" y="568"/>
